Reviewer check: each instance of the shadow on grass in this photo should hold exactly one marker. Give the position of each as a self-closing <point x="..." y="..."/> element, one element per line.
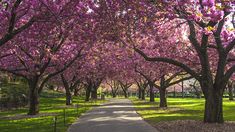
<point x="51" y="105"/>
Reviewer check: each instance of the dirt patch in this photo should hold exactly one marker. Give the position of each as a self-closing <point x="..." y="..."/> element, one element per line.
<point x="193" y="126"/>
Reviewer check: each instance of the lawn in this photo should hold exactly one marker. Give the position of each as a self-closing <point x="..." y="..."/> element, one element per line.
<point x="179" y="109"/>
<point x="51" y="104"/>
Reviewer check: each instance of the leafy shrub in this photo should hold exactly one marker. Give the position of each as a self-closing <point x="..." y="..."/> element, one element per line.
<point x="13" y="95"/>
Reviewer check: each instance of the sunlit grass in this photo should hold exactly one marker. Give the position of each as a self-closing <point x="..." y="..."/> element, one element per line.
<point x="180" y="109"/>
<point x="52" y="104"/>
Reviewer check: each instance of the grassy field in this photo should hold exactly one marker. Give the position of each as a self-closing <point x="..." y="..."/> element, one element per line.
<point x="51" y="104"/>
<point x="179" y="109"/>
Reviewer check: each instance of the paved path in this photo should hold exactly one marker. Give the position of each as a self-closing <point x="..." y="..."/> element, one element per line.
<point x="118" y="115"/>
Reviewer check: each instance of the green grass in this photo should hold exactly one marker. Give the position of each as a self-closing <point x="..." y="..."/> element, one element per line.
<point x="50" y="103"/>
<point x="180" y="109"/>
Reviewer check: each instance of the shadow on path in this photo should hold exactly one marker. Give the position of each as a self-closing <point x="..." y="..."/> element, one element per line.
<point x="118" y="115"/>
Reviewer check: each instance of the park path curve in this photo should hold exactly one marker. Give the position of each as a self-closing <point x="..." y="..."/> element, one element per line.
<point x="118" y="115"/>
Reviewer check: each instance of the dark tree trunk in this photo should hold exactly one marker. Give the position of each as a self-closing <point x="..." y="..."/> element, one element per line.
<point x="94" y="89"/>
<point x="139" y="93"/>
<point x="114" y="95"/>
<point x="94" y="93"/>
<point x="125" y="93"/>
<point x="33" y="97"/>
<point x="114" y="92"/>
<point x="214" y="107"/>
<point x="182" y="89"/>
<point x="68" y="95"/>
<point x="143" y="94"/>
<point x="151" y="92"/>
<point x="88" y="93"/>
<point x="230" y="90"/>
<point x="67" y="90"/>
<point x="163" y="101"/>
<point x="68" y="98"/>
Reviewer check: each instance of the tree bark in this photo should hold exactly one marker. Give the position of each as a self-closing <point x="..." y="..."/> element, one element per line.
<point x="114" y="91"/>
<point x="67" y="90"/>
<point x="94" y="89"/>
<point x="114" y="95"/>
<point x="33" y="97"/>
<point x="68" y="98"/>
<point x="182" y="89"/>
<point x="151" y="92"/>
<point x="94" y="93"/>
<point x="88" y="93"/>
<point x="125" y="93"/>
<point x="139" y="93"/>
<point x="143" y="94"/>
<point x="214" y="107"/>
<point x="163" y="101"/>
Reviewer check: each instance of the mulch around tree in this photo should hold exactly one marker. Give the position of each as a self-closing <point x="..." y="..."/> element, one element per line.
<point x="193" y="126"/>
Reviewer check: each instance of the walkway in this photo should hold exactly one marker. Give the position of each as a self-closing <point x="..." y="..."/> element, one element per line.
<point x="116" y="116"/>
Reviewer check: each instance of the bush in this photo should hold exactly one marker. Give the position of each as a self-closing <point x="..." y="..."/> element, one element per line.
<point x="13" y="95"/>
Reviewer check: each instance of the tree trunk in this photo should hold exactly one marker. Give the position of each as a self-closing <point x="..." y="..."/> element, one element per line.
<point x="214" y="107"/>
<point x="182" y="89"/>
<point x="151" y="92"/>
<point x="113" y="92"/>
<point x="139" y="93"/>
<point x="230" y="90"/>
<point x="163" y="101"/>
<point x="33" y="97"/>
<point x="114" y="95"/>
<point x="125" y="93"/>
<point x="68" y="96"/>
<point x="67" y="90"/>
<point x="143" y="94"/>
<point x="88" y="93"/>
<point x="94" y="93"/>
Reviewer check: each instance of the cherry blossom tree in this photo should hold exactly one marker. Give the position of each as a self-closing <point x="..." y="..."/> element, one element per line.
<point x="213" y="42"/>
<point x="202" y="31"/>
<point x="16" y="16"/>
<point x="48" y="48"/>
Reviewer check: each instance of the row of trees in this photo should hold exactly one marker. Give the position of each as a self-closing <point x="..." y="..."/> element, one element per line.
<point x="73" y="43"/>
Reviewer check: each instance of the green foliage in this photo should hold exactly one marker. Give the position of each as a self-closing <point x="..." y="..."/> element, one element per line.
<point x="180" y="109"/>
<point x="51" y="104"/>
<point x="13" y="95"/>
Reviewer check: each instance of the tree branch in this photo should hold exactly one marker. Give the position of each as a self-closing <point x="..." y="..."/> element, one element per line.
<point x="169" y="61"/>
<point x="229" y="73"/>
